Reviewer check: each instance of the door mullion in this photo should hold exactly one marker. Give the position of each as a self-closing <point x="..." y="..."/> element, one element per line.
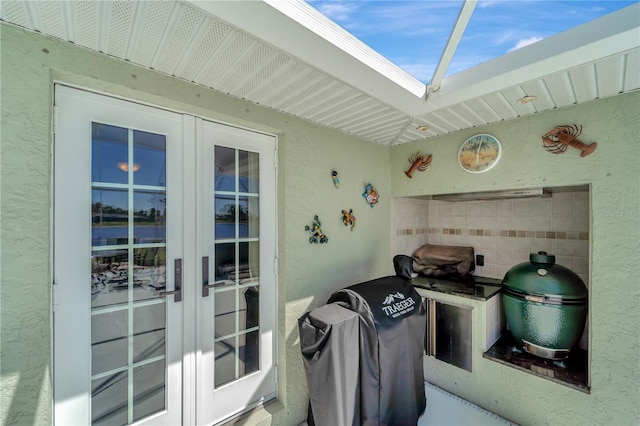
<point x="191" y="208"/>
<point x="130" y="214"/>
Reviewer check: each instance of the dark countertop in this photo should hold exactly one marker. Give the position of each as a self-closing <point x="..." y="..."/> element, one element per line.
<point x="472" y="287"/>
<point x="571" y="372"/>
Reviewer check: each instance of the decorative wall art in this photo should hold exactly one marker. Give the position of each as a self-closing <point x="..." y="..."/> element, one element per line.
<point x="418" y="162"/>
<point x="557" y="140"/>
<point x="349" y="219"/>
<point x="479" y="153"/>
<point x="317" y="236"/>
<point x="336" y="180"/>
<point x="370" y="195"/>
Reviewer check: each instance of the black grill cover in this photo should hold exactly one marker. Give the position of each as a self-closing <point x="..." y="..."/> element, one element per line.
<point x="392" y="326"/>
<point x="377" y="377"/>
<point x="329" y="338"/>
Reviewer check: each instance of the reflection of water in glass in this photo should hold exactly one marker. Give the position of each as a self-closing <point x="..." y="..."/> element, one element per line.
<point x="228" y="230"/>
<point x="112" y="235"/>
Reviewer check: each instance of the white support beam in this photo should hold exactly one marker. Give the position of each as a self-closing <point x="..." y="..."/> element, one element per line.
<point x="456" y="35"/>
<point x="301" y="31"/>
<point x="610" y="35"/>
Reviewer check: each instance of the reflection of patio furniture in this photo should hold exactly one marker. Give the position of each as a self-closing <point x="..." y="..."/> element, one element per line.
<point x="252" y="344"/>
<point x="229" y="271"/>
<point x="249" y="351"/>
<point x="116" y="241"/>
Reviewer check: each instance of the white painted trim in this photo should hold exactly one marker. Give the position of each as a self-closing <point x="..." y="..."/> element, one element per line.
<point x="612" y="34"/>
<point x="456" y="35"/>
<point x="306" y="34"/>
<point x="311" y="37"/>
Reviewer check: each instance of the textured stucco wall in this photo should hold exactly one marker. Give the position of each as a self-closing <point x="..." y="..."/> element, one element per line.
<point x="614" y="175"/>
<point x="308" y="274"/>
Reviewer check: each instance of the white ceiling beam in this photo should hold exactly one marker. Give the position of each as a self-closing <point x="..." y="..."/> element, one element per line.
<point x="298" y="29"/>
<point x="456" y="35"/>
<point x="610" y="35"/>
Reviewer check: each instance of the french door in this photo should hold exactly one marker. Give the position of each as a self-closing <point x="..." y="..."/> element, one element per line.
<point x="164" y="265"/>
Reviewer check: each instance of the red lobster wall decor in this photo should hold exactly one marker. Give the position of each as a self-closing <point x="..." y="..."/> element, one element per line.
<point x="557" y="140"/>
<point x="418" y="162"/>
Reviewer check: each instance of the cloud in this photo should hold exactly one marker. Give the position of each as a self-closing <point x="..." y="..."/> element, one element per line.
<point x="337" y="11"/>
<point x="485" y="4"/>
<point x="525" y="42"/>
<point x="397" y="18"/>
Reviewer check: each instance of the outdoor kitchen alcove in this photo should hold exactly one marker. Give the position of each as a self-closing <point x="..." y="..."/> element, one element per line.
<point x="505" y="232"/>
<point x="572" y="369"/>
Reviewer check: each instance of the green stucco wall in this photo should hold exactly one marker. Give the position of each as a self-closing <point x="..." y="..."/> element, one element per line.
<point x="308" y="274"/>
<point x="613" y="172"/>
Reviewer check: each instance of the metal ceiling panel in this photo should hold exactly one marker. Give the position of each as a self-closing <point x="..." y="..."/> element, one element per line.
<point x="632" y="75"/>
<point x="440" y="125"/>
<point x="156" y="18"/>
<point x="273" y="59"/>
<point x="202" y="53"/>
<point x="610" y="76"/>
<point x="52" y="20"/>
<point x="501" y="105"/>
<point x="306" y="83"/>
<point x="561" y="89"/>
<point x="543" y="100"/>
<point x="480" y="107"/>
<point x="584" y="79"/>
<point x="85" y="23"/>
<point x="468" y="115"/>
<point x="118" y="34"/>
<point x="15" y="12"/>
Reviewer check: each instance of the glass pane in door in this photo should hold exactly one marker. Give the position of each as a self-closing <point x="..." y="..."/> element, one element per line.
<point x="128" y="316"/>
<point x="237" y="245"/>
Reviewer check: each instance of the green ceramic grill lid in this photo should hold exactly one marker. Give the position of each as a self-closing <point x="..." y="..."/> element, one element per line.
<point x="541" y="276"/>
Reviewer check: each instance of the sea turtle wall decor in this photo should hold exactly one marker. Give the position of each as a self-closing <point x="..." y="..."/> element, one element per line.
<point x="371" y="195"/>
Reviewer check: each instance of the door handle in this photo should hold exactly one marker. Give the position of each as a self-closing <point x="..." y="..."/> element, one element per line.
<point x="205" y="278"/>
<point x="432" y="327"/>
<point x="177" y="279"/>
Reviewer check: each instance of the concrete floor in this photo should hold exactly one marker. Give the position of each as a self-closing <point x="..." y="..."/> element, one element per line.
<point x="444" y="408"/>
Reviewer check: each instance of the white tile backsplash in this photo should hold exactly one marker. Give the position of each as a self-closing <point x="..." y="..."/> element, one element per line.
<point x="504" y="231"/>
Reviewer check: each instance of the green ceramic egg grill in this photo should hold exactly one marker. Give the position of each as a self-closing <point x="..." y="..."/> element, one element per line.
<point x="545" y="306"/>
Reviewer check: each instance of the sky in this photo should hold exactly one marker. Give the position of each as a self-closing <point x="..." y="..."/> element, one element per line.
<point x="413" y="34"/>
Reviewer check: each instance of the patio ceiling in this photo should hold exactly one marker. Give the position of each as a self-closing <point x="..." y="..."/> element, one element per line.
<point x="287" y="56"/>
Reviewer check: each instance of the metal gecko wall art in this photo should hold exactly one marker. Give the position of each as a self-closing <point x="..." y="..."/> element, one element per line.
<point x="418" y="162"/>
<point x="317" y="236"/>
<point x="349" y="219"/>
<point x="559" y="138"/>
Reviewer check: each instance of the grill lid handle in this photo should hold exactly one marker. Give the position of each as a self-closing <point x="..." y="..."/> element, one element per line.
<point x="542" y="257"/>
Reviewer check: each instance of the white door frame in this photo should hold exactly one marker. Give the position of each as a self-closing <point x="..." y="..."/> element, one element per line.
<point x="211" y="134"/>
<point x="185" y="191"/>
<point x="75" y="111"/>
